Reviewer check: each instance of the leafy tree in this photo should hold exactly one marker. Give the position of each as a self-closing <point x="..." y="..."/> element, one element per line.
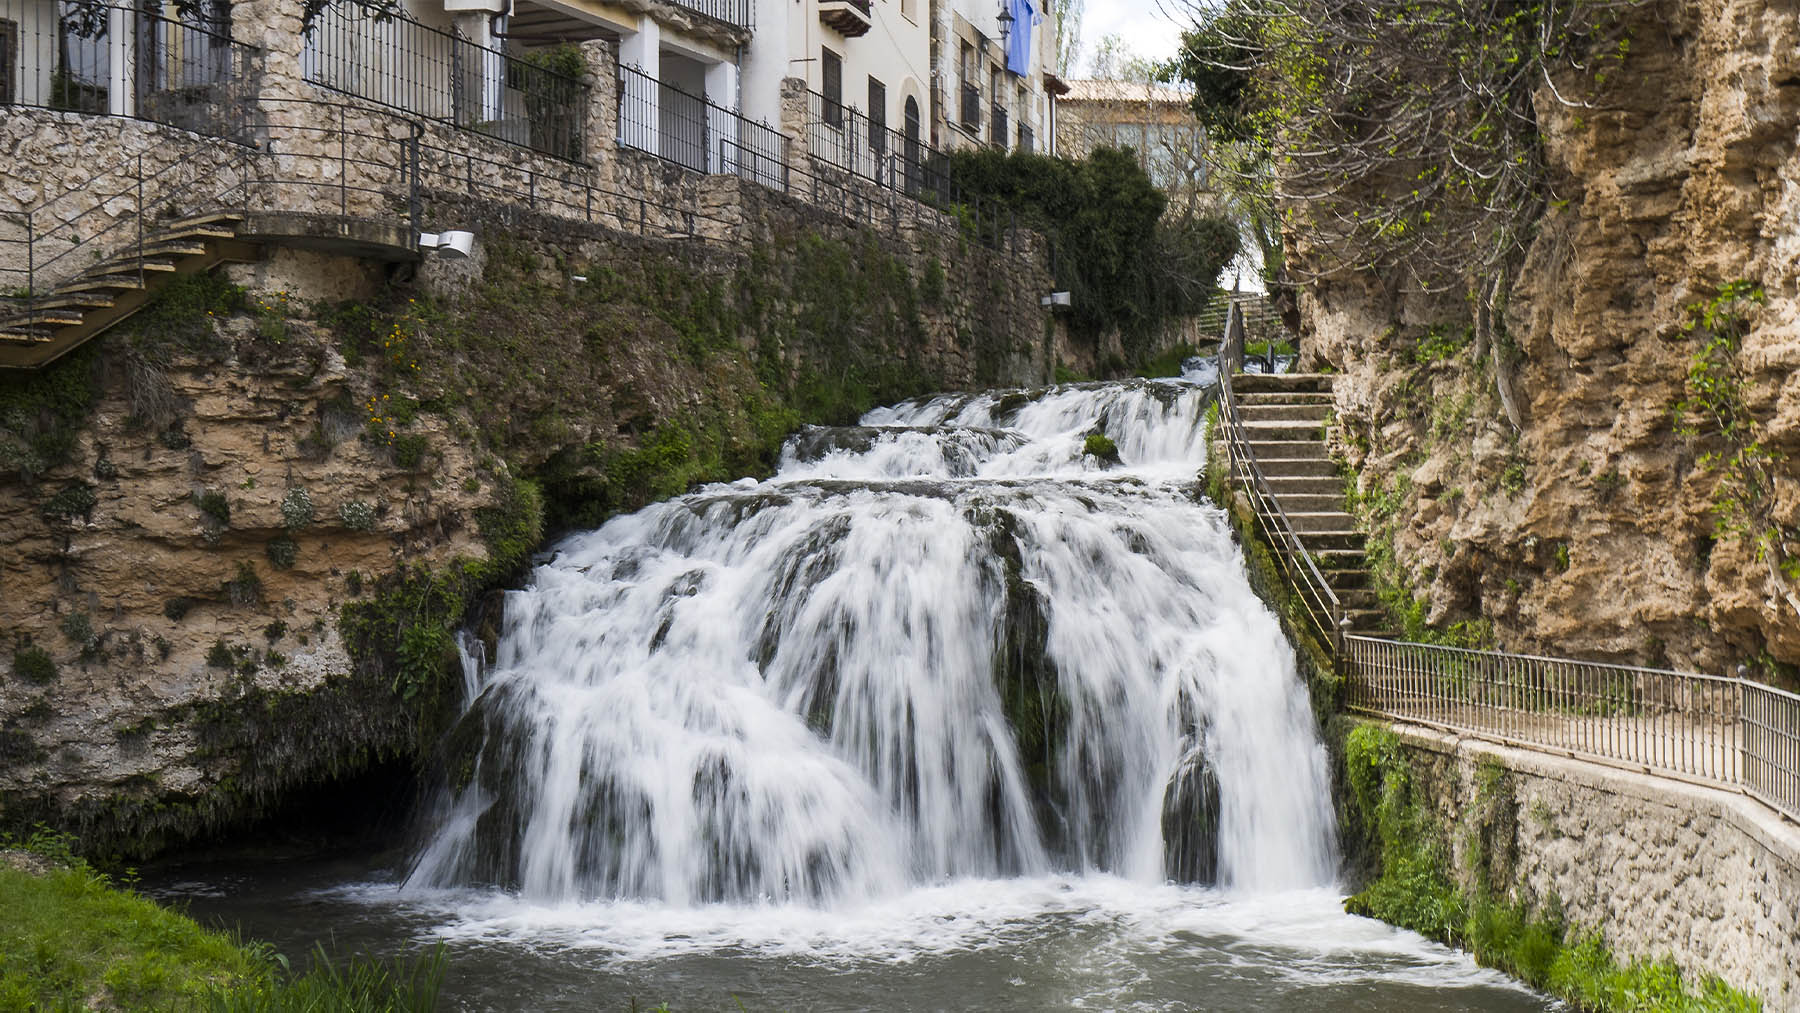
<point x="1125" y="265"/>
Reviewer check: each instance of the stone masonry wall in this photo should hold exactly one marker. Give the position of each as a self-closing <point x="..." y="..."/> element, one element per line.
<point x="1661" y="868"/>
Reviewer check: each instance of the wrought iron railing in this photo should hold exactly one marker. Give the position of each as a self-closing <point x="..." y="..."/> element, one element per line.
<point x="732" y="12"/>
<point x="997" y="126"/>
<point x="1724" y="731"/>
<point x="439" y="75"/>
<point x="1720" y="730"/>
<point x="1322" y="611"/>
<point x="687" y="129"/>
<point x="333" y="159"/>
<point x="119" y="60"/>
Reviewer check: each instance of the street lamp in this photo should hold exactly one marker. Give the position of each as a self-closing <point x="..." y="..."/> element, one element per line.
<point x="1006" y="22"/>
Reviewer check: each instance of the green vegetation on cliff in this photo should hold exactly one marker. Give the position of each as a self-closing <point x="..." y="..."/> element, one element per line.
<point x="1128" y="267"/>
<point x="1414" y="889"/>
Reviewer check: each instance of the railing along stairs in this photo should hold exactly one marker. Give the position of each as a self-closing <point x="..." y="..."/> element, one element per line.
<point x="1719" y="731"/>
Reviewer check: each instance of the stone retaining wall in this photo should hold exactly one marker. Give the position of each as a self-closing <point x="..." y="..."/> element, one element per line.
<point x="1660" y="867"/>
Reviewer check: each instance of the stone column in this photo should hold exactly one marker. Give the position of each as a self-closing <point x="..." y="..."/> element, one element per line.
<point x="722" y="128"/>
<point x="273" y="27"/>
<point x="600" y="138"/>
<point x="793" y="117"/>
<point x="640" y="103"/>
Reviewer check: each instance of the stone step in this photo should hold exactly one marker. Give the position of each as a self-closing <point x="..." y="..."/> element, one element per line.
<point x="1352" y="540"/>
<point x="128" y="267"/>
<point x="1288" y="450"/>
<point x="1285" y="486"/>
<point x="1308" y="503"/>
<point x="119" y="283"/>
<point x="1357" y="597"/>
<point x="75" y="301"/>
<point x="1262" y="383"/>
<point x="1345" y="578"/>
<point x="1346" y="554"/>
<point x="10" y="337"/>
<point x="211" y="218"/>
<point x="1366" y="622"/>
<point x="1283" y="429"/>
<point x="1314" y="413"/>
<point x="154" y="251"/>
<point x="1332" y="539"/>
<point x="34" y="319"/>
<point x="1320" y="467"/>
<point x="1326" y="521"/>
<point x="1246" y="399"/>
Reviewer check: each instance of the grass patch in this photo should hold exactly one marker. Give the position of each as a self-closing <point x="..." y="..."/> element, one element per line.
<point x="73" y="939"/>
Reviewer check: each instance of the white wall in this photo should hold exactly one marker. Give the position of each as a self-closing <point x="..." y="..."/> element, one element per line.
<point x="789" y="39"/>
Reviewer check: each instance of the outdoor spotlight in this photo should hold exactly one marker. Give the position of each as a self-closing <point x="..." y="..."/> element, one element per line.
<point x="1056" y="299"/>
<point x="452" y="245"/>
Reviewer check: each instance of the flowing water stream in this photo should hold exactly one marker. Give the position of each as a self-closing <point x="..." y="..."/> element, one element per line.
<point x="951" y="713"/>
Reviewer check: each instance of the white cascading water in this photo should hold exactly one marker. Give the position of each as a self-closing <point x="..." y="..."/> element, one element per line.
<point x="943" y="644"/>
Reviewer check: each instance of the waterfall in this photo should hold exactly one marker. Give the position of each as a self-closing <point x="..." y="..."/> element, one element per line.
<point x="944" y="643"/>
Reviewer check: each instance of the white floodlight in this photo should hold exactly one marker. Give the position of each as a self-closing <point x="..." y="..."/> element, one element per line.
<point x="1056" y="299"/>
<point x="452" y="245"/>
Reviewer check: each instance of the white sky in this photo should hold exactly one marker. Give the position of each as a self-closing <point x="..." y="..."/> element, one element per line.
<point x="1144" y="26"/>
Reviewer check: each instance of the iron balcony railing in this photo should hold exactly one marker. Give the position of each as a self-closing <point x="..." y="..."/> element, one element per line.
<point x="732" y="12"/>
<point x="997" y="129"/>
<point x="118" y="60"/>
<point x="437" y="75"/>
<point x="687" y="129"/>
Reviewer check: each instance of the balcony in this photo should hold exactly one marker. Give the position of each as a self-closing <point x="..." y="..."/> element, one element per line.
<point x="849" y="18"/>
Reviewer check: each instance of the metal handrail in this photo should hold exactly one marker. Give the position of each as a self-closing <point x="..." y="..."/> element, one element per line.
<point x="1716" y="730"/>
<point x="1710" y="729"/>
<point x="1324" y="607"/>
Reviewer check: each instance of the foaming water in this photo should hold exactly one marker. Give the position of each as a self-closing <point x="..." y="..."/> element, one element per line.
<point x="946" y="643"/>
<point x="947" y="714"/>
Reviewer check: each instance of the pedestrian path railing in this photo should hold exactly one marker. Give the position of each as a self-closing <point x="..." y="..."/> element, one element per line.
<point x="1725" y="731"/>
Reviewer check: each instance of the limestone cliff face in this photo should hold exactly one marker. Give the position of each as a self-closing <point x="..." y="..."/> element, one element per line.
<point x="1590" y="528"/>
<point x="240" y="528"/>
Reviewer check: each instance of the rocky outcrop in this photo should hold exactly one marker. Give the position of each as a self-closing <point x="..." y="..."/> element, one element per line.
<point x="243" y="526"/>
<point x="1581" y="518"/>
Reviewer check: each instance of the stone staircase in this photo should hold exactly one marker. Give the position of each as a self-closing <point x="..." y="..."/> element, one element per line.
<point x="63" y="319"/>
<point x="1284" y="422"/>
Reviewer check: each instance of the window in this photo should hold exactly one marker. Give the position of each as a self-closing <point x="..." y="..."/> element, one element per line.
<point x="831" y="71"/>
<point x="968" y="73"/>
<point x="909" y="9"/>
<point x="9" y="60"/>
<point x="877" y="115"/>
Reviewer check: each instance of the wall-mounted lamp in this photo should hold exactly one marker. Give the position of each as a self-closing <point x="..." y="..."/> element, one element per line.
<point x="1055" y="299"/>
<point x="452" y="245"/>
<point x="1006" y="22"/>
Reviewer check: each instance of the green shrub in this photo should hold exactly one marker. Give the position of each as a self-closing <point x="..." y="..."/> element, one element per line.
<point x="297" y="509"/>
<point x="245" y="588"/>
<point x="220" y="655"/>
<point x="357" y="515"/>
<point x="409" y="450"/>
<point x="75" y="500"/>
<point x="175" y="609"/>
<point x="282" y="551"/>
<point x="214" y="507"/>
<point x="34" y="665"/>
